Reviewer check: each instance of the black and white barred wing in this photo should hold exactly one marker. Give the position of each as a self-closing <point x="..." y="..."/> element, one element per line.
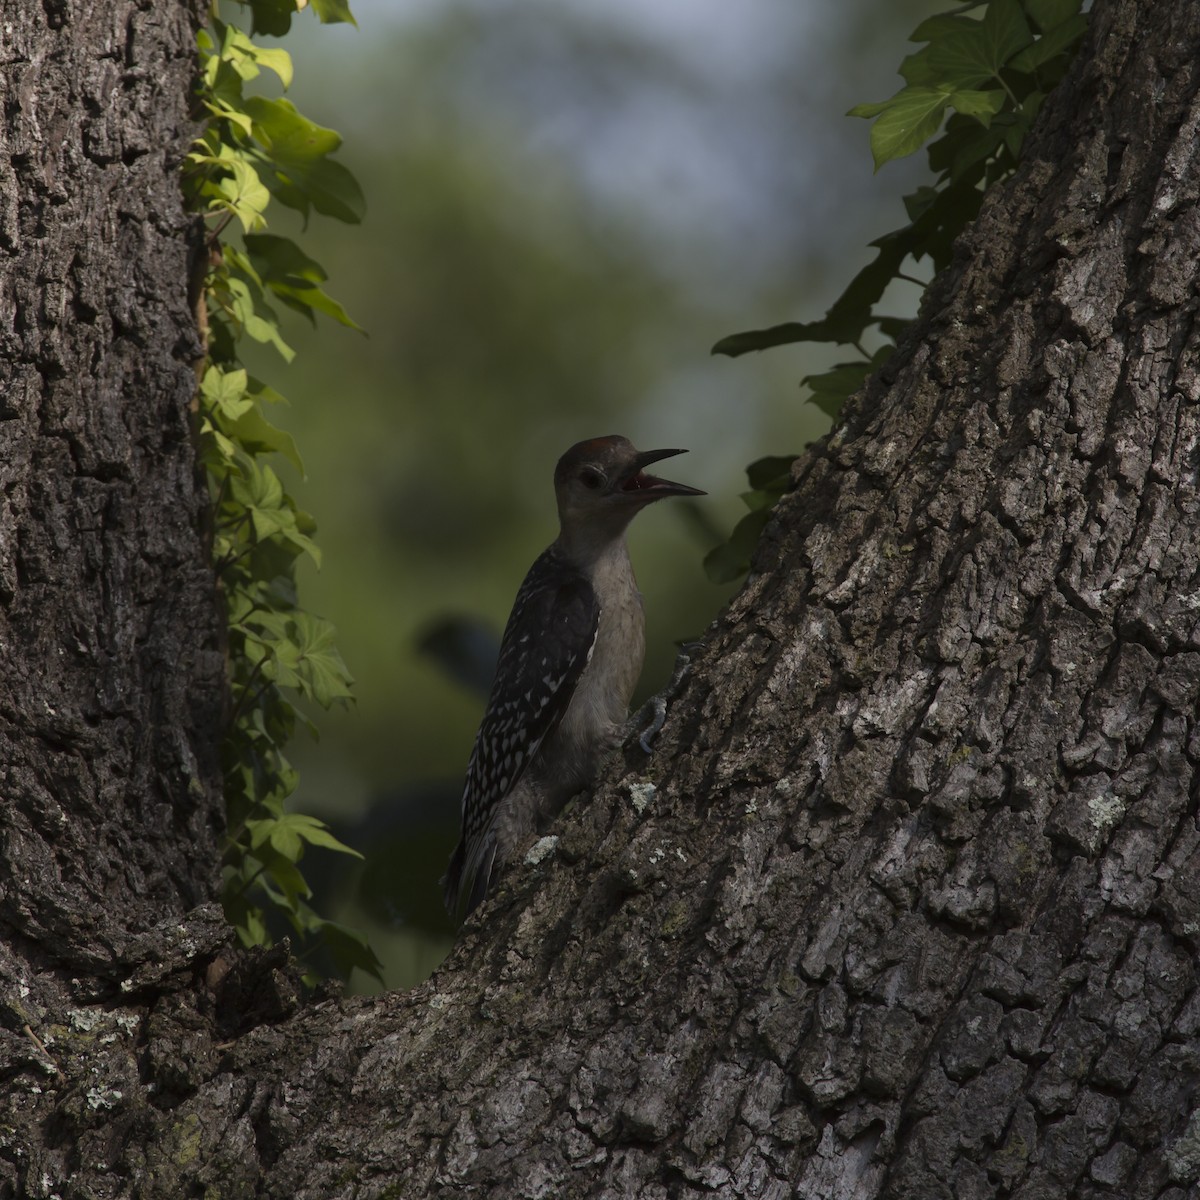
<point x="547" y="643"/>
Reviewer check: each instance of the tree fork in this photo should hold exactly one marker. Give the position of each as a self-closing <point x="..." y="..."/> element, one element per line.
<point x="905" y="904"/>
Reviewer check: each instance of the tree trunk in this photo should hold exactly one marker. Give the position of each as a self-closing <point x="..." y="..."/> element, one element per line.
<point x="906" y="902"/>
<point x="111" y="690"/>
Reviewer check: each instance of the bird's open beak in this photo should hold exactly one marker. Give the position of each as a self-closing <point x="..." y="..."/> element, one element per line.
<point x="635" y="481"/>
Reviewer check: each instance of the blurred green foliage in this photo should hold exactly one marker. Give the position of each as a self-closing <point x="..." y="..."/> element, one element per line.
<point x="511" y="309"/>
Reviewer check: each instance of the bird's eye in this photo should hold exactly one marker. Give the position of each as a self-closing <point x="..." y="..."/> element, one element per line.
<point x="590" y="479"/>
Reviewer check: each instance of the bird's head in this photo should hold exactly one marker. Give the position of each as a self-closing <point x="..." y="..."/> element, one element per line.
<point x="602" y="483"/>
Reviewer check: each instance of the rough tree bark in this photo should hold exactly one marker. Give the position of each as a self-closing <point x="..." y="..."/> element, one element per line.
<point x="907" y="901"/>
<point x="112" y="680"/>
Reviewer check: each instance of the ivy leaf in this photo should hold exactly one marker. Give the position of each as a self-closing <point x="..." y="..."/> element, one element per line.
<point x="918" y="202"/>
<point x="351" y="950"/>
<point x="964" y="144"/>
<point x="288" y="834"/>
<point x="287" y="135"/>
<point x="244" y="195"/>
<point x="845" y="321"/>
<point x="248" y="919"/>
<point x="279" y="61"/>
<point x="260" y="489"/>
<point x="273" y="17"/>
<point x="831" y="389"/>
<point x="736" y="344"/>
<point x="333" y="11"/>
<point x="1005" y="31"/>
<point x="769" y="478"/>
<point x="255" y="318"/>
<point x="906" y="122"/>
<point x="279" y="257"/>
<point x="226" y="391"/>
<point x="1050" y="14"/>
<point x="284" y="873"/>
<point x="264" y="393"/>
<point x="325" y="185"/>
<point x="1060" y="39"/>
<point x="322" y="666"/>
<point x="983" y="106"/>
<point x="298" y="148"/>
<point x="963" y="53"/>
<point x="731" y="559"/>
<point x="940" y="26"/>
<point x="227" y="112"/>
<point x="773" y="473"/>
<point x="258" y="436"/>
<point x="272" y="515"/>
<point x="238" y="51"/>
<point x="294" y="277"/>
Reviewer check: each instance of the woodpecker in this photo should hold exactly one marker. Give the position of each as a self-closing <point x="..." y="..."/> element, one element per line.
<point x="571" y="654"/>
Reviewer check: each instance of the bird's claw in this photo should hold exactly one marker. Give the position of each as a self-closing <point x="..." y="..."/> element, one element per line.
<point x="652" y="716"/>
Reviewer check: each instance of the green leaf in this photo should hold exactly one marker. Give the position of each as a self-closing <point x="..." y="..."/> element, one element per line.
<point x="228" y="112"/>
<point x="258" y="322"/>
<point x="932" y="234"/>
<point x="333" y="11"/>
<point x="259" y="488"/>
<point x="1005" y="31"/>
<point x="287" y="135"/>
<point x="845" y="322"/>
<point x="271" y="515"/>
<point x="732" y="559"/>
<point x="324" y="671"/>
<point x="284" y="873"/>
<point x="239" y="52"/>
<point x="1014" y="135"/>
<point x="912" y="116"/>
<point x="273" y="17"/>
<point x="262" y="392"/>
<point x="251" y="926"/>
<point x="245" y="195"/>
<point x="831" y="389"/>
<point x="1050" y="14"/>
<point x="941" y="26"/>
<point x="773" y="473"/>
<point x="280" y="257"/>
<point x="279" y="61"/>
<point x="869" y="110"/>
<point x="983" y="106"/>
<point x="258" y="436"/>
<point x="299" y="147"/>
<point x="964" y="144"/>
<point x="328" y="186"/>
<point x="350" y="949"/>
<point x="226" y="391"/>
<point x="915" y="203"/>
<point x="963" y="53"/>
<point x="293" y="277"/>
<point x="892" y="327"/>
<point x="736" y="344"/>
<point x="1057" y="41"/>
<point x="288" y="834"/>
<point x="757" y="500"/>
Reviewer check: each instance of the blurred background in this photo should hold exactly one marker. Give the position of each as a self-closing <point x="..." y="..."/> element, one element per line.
<point x="568" y="204"/>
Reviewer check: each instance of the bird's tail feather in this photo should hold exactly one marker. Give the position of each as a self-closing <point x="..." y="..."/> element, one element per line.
<point x="470" y="874"/>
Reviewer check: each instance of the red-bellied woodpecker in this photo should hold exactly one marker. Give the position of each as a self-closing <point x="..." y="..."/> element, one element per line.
<point x="571" y="655"/>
